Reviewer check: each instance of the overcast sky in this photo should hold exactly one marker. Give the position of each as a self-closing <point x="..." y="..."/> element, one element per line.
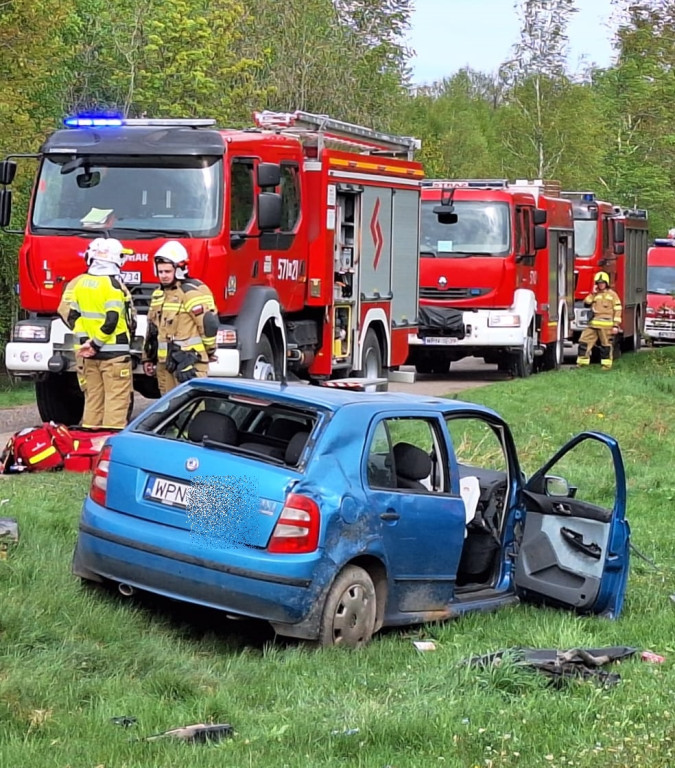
<point x="450" y="34"/>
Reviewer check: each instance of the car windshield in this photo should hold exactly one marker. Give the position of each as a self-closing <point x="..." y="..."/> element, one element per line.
<point x="585" y="238"/>
<point x="172" y="195"/>
<point x="481" y="229"/>
<point x="661" y="280"/>
<point x="266" y="429"/>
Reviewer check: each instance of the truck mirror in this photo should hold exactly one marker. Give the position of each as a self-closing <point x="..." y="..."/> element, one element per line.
<point x="540" y="216"/>
<point x="540" y="238"/>
<point x="89" y="179"/>
<point x="269" y="211"/>
<point x="445" y="214"/>
<point x="619" y="249"/>
<point x="269" y="175"/>
<point x="619" y="232"/>
<point x="7" y="172"/>
<point x="5" y="207"/>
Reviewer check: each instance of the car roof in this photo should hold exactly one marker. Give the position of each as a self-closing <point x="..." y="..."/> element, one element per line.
<point x="333" y="398"/>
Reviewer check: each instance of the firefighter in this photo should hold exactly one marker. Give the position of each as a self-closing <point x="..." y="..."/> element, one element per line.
<point x="98" y="308"/>
<point x="182" y="322"/>
<point x="604" y="322"/>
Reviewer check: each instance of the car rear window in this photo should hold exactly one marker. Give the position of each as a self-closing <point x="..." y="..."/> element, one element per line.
<point x="270" y="430"/>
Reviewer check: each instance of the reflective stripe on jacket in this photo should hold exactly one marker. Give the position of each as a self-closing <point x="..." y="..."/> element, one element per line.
<point x="178" y="312"/>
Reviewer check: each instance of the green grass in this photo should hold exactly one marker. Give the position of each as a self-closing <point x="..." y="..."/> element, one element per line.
<point x="72" y="658"/>
<point x="13" y="393"/>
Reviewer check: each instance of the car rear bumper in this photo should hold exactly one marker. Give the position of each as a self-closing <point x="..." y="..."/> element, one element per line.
<point x="166" y="561"/>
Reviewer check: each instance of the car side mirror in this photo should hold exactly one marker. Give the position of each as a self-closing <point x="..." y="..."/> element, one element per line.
<point x="269" y="175"/>
<point x="7" y="171"/>
<point x="540" y="238"/>
<point x="269" y="211"/>
<point x="556" y="486"/>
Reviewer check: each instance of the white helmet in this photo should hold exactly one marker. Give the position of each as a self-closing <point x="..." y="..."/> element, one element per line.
<point x="671" y="234"/>
<point x="108" y="250"/>
<point x="172" y="252"/>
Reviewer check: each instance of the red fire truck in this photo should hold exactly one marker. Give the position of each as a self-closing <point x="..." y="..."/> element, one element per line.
<point x="496" y="275"/>
<point x="613" y="240"/>
<point x="305" y="228"/>
<point x="660" y="316"/>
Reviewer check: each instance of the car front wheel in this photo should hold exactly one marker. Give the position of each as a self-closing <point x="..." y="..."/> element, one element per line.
<point x="350" y="610"/>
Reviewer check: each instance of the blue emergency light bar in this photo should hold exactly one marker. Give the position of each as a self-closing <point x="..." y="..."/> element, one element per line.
<point x="95" y="121"/>
<point x="661" y="242"/>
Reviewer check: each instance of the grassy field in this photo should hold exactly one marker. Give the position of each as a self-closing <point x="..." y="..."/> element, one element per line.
<point x="13" y="393"/>
<point x="73" y="658"/>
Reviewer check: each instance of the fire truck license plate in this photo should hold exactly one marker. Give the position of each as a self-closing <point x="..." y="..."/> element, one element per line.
<point x="131" y="278"/>
<point x="440" y="340"/>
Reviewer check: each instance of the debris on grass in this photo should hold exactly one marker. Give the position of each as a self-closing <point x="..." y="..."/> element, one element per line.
<point x="346" y="732"/>
<point x="651" y="657"/>
<point x="424" y="645"/>
<point x="125" y="720"/>
<point x="9" y="534"/>
<point x="560" y="666"/>
<point x="199" y="733"/>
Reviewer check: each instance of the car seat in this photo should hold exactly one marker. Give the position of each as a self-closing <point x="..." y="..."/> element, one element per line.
<point x="469" y="490"/>
<point x="284" y="429"/>
<point x="295" y="448"/>
<point x="412" y="465"/>
<point x="218" y="427"/>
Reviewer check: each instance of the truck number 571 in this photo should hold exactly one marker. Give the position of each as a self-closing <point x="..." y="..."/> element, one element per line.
<point x="287" y="269"/>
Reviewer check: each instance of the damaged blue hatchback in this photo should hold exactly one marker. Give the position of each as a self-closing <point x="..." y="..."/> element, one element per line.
<point x="333" y="513"/>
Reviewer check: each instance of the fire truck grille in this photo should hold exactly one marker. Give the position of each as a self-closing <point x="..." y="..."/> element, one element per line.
<point x="141" y="295"/>
<point x="452" y="293"/>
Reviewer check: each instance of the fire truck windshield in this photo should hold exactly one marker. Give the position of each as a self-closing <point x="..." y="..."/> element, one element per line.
<point x="585" y="238"/>
<point x="482" y="229"/>
<point x="661" y="280"/>
<point x="181" y="195"/>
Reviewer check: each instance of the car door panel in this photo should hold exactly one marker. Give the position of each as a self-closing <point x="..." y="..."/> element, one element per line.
<point x="573" y="552"/>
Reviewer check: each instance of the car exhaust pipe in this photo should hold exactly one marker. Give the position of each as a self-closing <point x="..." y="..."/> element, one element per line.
<point x="126" y="589"/>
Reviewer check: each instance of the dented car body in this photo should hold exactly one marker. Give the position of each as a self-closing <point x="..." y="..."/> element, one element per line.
<point x="331" y="513"/>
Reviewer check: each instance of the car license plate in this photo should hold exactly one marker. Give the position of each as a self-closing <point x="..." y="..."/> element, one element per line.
<point x="440" y="340"/>
<point x="169" y="492"/>
<point x="131" y="278"/>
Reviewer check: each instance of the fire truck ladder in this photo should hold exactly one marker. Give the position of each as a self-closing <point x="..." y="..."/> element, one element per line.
<point x="326" y="129"/>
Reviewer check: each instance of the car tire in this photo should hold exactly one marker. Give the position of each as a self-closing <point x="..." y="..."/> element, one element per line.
<point x="60" y="399"/>
<point x="262" y="366"/>
<point x="350" y="610"/>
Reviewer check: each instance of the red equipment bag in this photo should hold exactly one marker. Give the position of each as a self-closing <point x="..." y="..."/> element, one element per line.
<point x="51" y="447"/>
<point x="37" y="449"/>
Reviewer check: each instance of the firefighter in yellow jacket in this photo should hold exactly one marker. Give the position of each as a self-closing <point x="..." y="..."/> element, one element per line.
<point x="182" y="322"/>
<point x="98" y="308"/>
<point x="604" y="323"/>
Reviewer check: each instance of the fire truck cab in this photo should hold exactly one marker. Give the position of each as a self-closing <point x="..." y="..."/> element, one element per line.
<point x="613" y="240"/>
<point x="660" y="316"/>
<point x="305" y="228"/>
<point x="495" y="282"/>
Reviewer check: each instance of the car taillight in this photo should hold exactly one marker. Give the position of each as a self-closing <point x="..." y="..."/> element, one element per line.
<point x="99" y="482"/>
<point x="297" y="530"/>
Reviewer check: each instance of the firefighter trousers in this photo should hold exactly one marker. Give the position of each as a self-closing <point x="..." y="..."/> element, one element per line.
<point x="589" y="337"/>
<point x="167" y="381"/>
<point x="107" y="392"/>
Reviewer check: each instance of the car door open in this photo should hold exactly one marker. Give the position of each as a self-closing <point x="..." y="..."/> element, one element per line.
<point x="574" y="550"/>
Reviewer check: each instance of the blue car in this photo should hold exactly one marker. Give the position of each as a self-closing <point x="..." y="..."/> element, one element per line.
<point x="332" y="513"/>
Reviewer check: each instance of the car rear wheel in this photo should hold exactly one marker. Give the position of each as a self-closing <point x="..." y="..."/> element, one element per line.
<point x="350" y="610"/>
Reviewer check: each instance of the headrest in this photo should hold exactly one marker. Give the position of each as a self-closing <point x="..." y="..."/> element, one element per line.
<point x="284" y="429"/>
<point x="216" y="426"/>
<point x="295" y="447"/>
<point x="411" y="462"/>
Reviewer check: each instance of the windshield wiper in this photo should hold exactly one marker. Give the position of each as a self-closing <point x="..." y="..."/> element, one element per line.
<point x="209" y="443"/>
<point x="660" y="291"/>
<point x="147" y="233"/>
<point x="427" y="252"/>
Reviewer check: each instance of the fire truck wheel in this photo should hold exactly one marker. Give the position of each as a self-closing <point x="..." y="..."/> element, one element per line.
<point x="59" y="398"/>
<point x="634" y="342"/>
<point x="555" y="352"/>
<point x="261" y="366"/>
<point x="371" y="362"/>
<point x="524" y="360"/>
